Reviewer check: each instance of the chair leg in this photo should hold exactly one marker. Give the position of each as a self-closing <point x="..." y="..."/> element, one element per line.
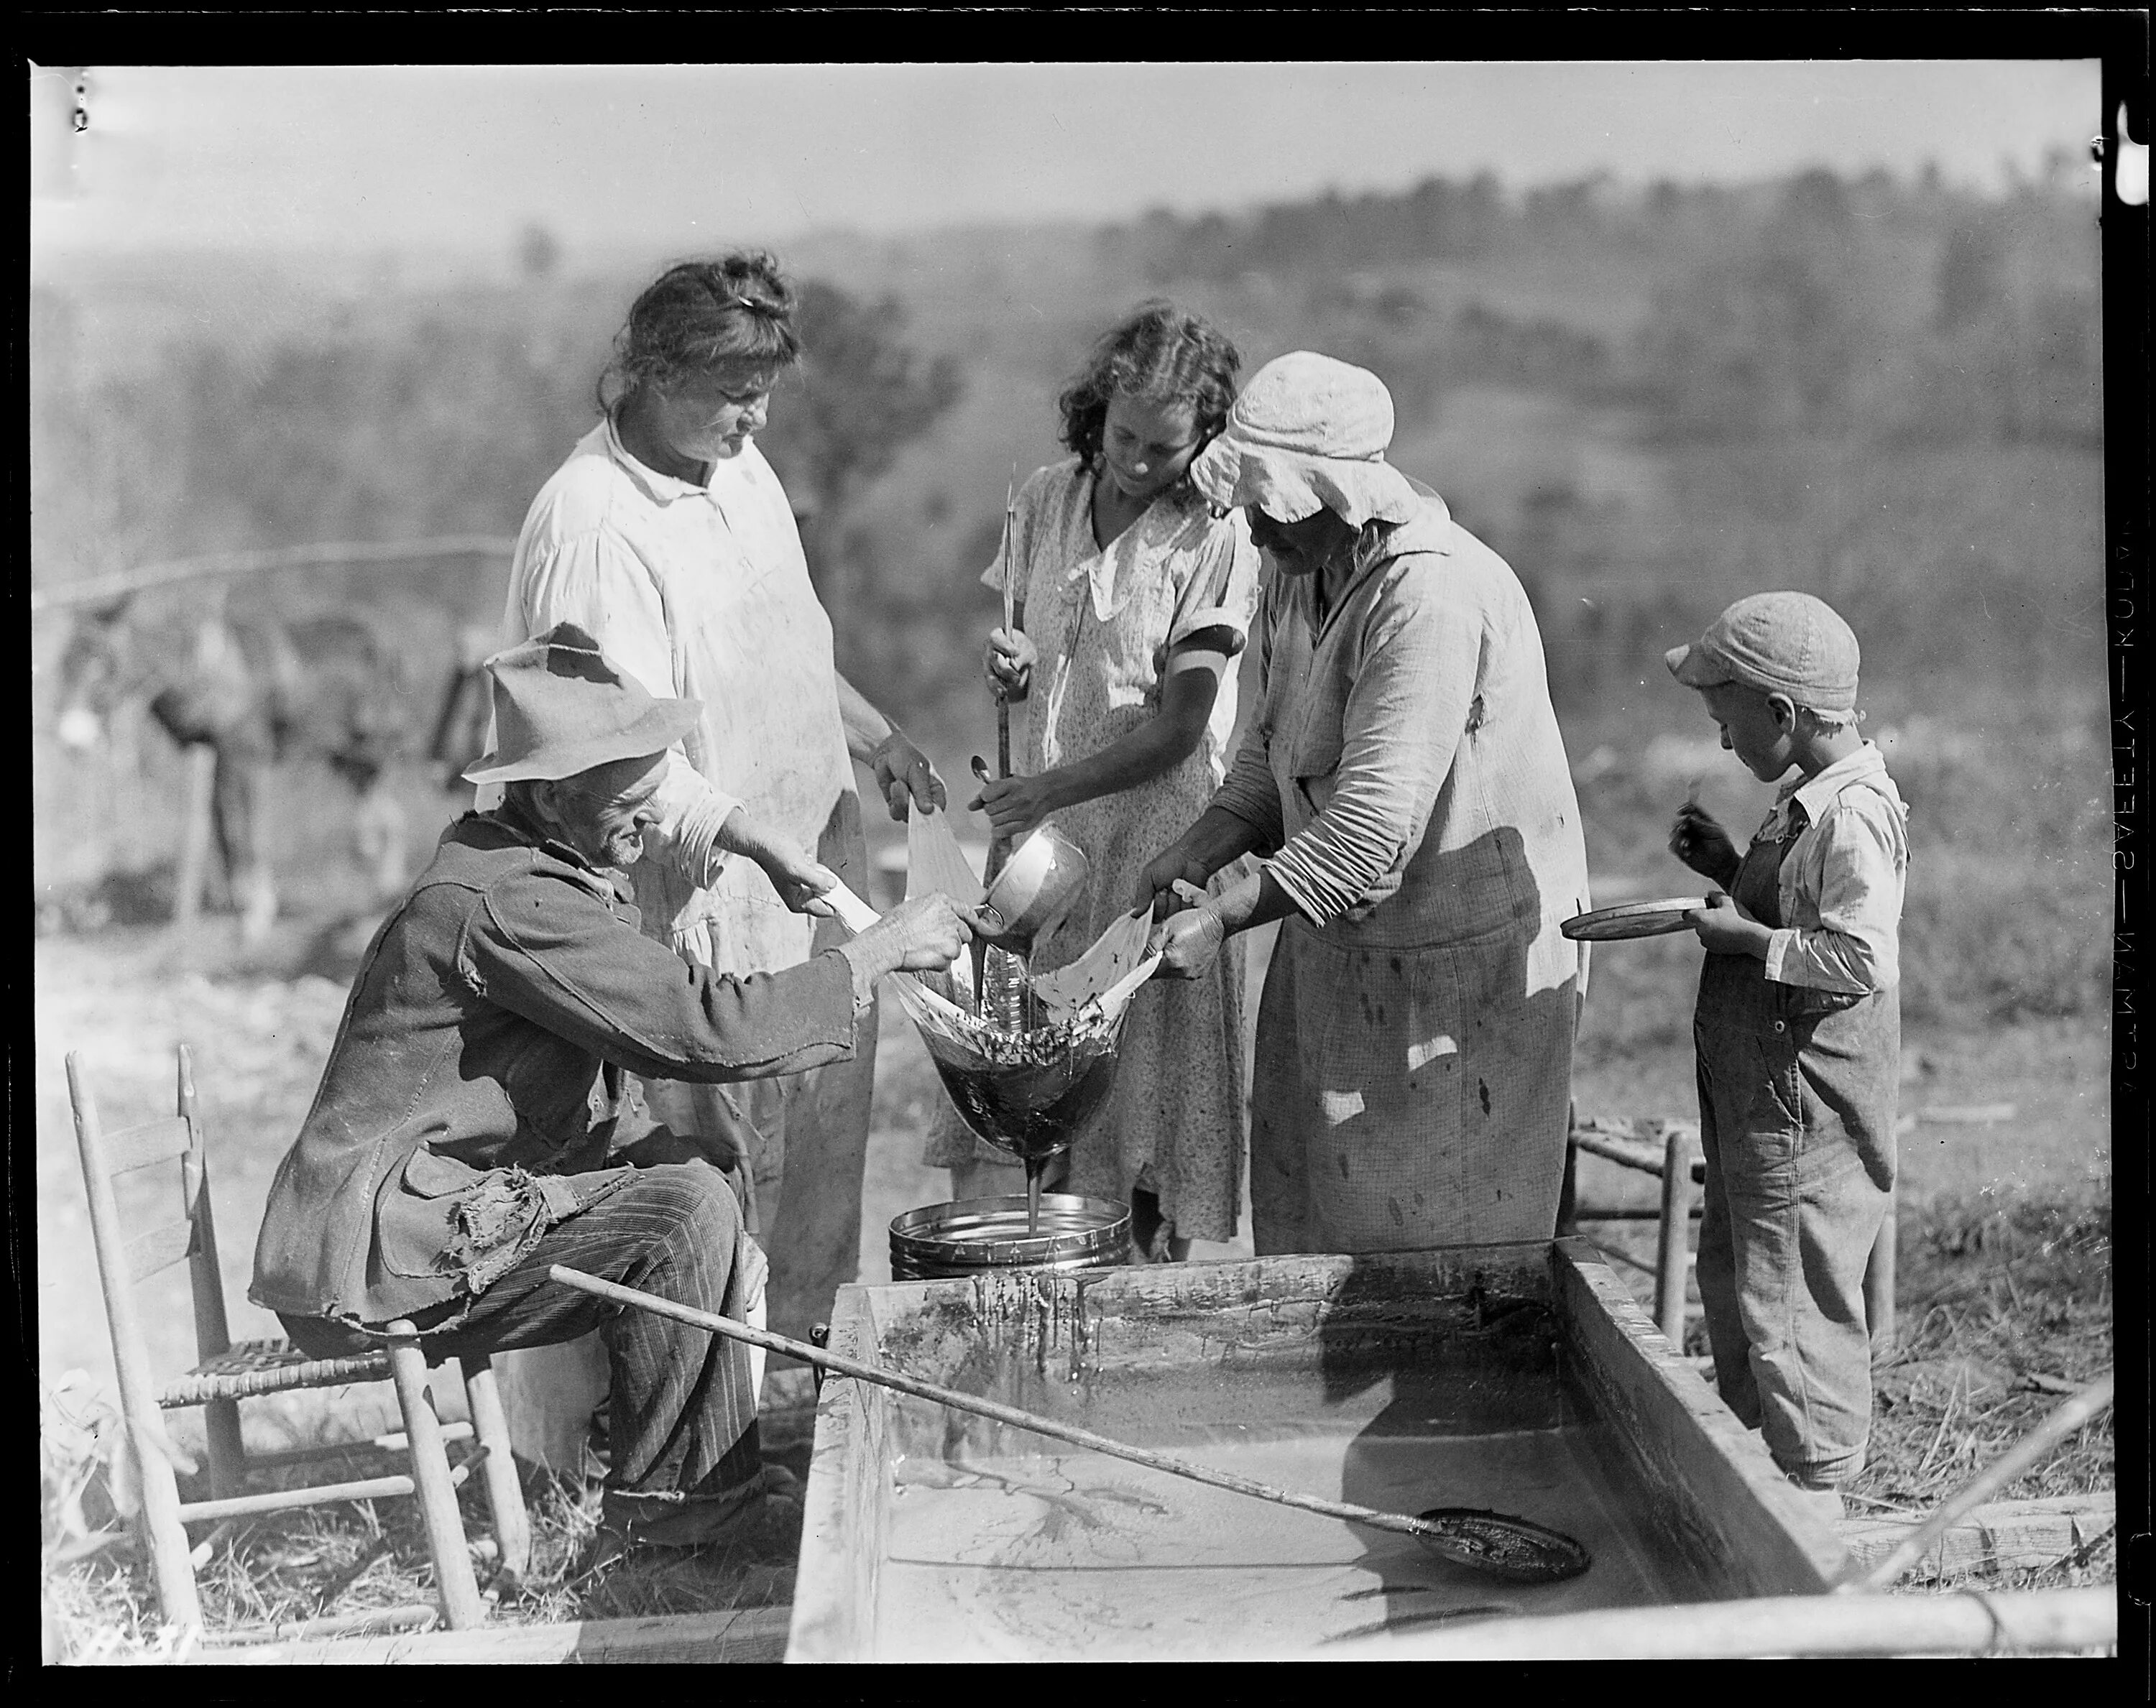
<point x="505" y="1494"/>
<point x="141" y="1431"/>
<point x="228" y="1453"/>
<point x="162" y="1528"/>
<point x="461" y="1607"/>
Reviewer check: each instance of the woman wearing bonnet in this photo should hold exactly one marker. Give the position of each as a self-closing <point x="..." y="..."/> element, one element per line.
<point x="1405" y="787"/>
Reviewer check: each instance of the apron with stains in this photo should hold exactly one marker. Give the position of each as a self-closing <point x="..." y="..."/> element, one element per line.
<point x="1419" y="1099"/>
<point x="753" y="642"/>
<point x="1796" y="1100"/>
<point x="1413" y="1065"/>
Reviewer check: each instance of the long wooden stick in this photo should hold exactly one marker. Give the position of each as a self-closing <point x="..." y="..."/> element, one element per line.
<point x="2069" y="1416"/>
<point x="838" y="1365"/>
<point x="1968" y="1623"/>
<point x="999" y="847"/>
<point x="1010" y="619"/>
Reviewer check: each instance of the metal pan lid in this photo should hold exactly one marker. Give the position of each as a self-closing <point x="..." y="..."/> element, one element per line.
<point x="1633" y="918"/>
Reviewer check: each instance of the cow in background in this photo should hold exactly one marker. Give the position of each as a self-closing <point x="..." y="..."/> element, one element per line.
<point x="256" y="689"/>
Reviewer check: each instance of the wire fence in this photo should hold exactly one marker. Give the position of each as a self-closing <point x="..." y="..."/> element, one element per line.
<point x="331" y="555"/>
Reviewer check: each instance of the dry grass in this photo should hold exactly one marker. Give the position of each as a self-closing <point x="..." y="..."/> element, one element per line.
<point x="362" y="1556"/>
<point x="1995" y="1293"/>
<point x="2004" y="1306"/>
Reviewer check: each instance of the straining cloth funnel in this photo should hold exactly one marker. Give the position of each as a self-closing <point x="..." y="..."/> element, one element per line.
<point x="1025" y="1088"/>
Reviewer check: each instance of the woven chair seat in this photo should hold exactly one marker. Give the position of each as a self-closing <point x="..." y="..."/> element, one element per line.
<point x="268" y="1367"/>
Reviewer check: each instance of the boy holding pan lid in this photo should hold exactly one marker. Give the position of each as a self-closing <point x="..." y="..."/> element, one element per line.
<point x="1797" y="1030"/>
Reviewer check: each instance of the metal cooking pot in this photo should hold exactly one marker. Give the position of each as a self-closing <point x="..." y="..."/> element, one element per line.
<point x="975" y="1236"/>
<point x="1036" y="888"/>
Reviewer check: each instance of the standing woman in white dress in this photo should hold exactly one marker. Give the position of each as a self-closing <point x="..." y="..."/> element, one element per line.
<point x="667" y="535"/>
<point x="1133" y="599"/>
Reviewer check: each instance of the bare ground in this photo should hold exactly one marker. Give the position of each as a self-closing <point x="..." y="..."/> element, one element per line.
<point x="260" y="1025"/>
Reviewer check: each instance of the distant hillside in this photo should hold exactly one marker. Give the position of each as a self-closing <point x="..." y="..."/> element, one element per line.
<point x="1611" y="383"/>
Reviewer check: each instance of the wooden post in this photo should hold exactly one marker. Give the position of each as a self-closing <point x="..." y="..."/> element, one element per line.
<point x="461" y="1606"/>
<point x="1672" y="1244"/>
<point x="1879" y="1282"/>
<point x="227" y="1455"/>
<point x="194" y="838"/>
<point x="144" y="1433"/>
<point x="1567" y="1191"/>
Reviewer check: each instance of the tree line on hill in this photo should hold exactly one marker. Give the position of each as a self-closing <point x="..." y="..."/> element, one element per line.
<point x="1814" y="305"/>
<point x="1870" y="309"/>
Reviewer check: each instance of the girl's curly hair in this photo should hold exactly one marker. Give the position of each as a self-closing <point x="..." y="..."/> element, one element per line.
<point x="1161" y="354"/>
<point x="734" y="309"/>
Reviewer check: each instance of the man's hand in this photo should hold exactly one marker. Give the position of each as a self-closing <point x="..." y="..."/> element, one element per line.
<point x="1188" y="942"/>
<point x="1703" y="844"/>
<point x="922" y="934"/>
<point x="903" y="774"/>
<point x="1007" y="662"/>
<point x="1016" y="804"/>
<point x="1725" y="928"/>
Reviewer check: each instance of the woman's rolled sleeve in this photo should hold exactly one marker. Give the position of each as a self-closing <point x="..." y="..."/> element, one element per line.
<point x="1405" y="713"/>
<point x="1855" y="947"/>
<point x="1221" y="598"/>
<point x="597" y="581"/>
<point x="1249" y="792"/>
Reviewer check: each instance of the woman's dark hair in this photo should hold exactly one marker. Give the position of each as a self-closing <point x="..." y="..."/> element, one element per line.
<point x="737" y="308"/>
<point x="1158" y="353"/>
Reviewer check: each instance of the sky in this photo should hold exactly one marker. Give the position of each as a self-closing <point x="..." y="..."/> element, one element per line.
<point x="464" y="157"/>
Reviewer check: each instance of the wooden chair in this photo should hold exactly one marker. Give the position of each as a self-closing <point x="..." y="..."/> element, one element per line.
<point x="227" y="1374"/>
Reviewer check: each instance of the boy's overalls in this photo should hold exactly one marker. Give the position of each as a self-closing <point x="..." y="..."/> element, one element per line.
<point x="1796" y="1106"/>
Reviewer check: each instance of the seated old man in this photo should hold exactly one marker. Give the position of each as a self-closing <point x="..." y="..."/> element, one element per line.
<point x="471" y="1127"/>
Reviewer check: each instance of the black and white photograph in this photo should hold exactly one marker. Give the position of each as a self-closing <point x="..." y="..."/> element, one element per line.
<point x="1037" y="859"/>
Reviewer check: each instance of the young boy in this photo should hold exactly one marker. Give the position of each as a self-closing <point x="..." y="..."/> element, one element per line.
<point x="1799" y="1032"/>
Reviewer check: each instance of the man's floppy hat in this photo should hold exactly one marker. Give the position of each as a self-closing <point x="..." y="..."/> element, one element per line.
<point x="561" y="707"/>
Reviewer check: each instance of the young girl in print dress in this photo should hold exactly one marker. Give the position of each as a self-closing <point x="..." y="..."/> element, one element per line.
<point x="1133" y="600"/>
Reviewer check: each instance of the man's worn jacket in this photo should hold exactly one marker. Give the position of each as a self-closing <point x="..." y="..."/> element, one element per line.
<point x="479" y="1064"/>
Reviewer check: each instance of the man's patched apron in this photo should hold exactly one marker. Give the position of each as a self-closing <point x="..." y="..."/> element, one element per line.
<point x="1796" y="1106"/>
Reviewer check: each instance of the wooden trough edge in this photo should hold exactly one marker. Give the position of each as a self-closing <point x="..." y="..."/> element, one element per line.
<point x="2008" y="1534"/>
<point x="741" y="1635"/>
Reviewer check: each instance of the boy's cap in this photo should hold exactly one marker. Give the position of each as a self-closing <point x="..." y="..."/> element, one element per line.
<point x="1787" y="644"/>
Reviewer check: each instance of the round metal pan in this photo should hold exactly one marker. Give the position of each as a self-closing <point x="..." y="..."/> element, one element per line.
<point x="1633" y="918"/>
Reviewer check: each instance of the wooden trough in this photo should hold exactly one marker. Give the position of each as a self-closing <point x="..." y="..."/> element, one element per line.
<point x="1520" y="1378"/>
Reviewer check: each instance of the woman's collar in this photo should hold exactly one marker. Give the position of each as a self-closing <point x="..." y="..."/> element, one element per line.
<point x="661" y="487"/>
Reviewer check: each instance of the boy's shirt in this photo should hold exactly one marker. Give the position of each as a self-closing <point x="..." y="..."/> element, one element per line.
<point x="1841" y="884"/>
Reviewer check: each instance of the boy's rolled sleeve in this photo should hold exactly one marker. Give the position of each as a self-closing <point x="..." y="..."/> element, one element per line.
<point x="1851" y="942"/>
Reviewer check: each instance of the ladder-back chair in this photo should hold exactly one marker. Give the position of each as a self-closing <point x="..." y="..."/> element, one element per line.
<point x="227" y="1374"/>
